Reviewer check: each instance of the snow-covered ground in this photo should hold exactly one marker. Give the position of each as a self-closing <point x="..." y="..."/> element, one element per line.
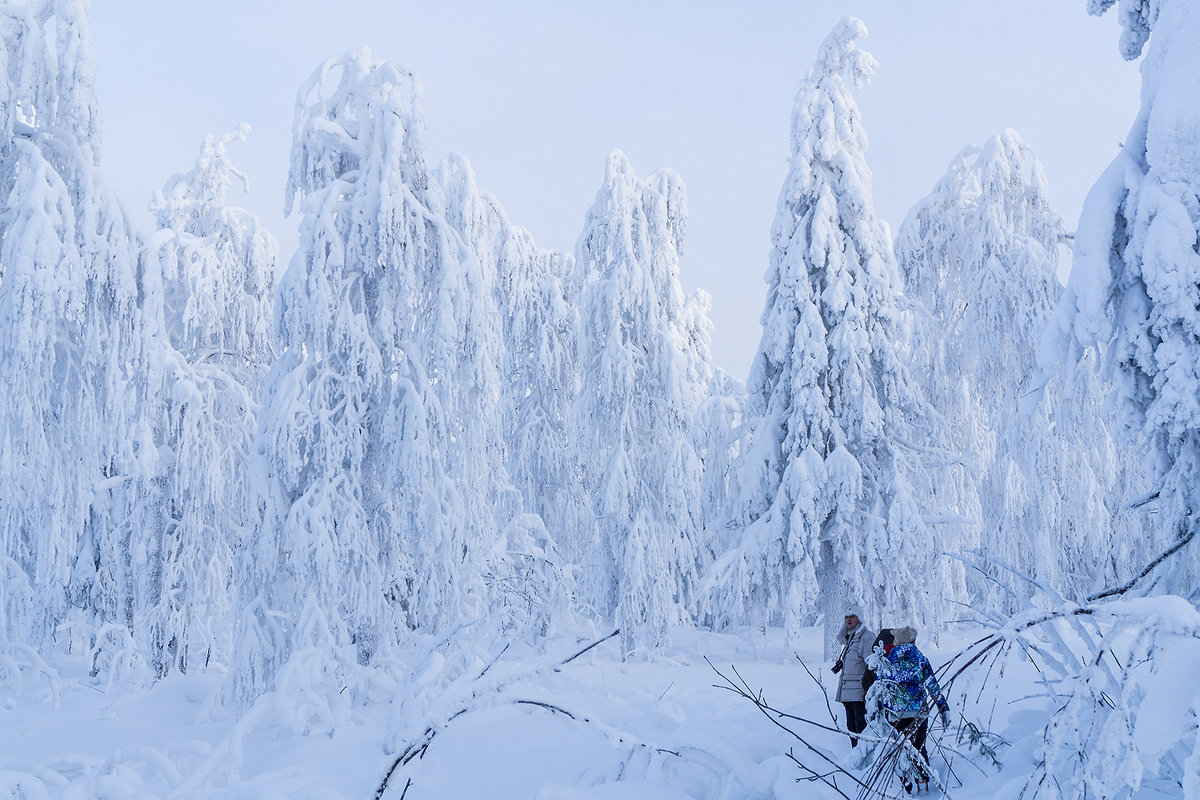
<point x="597" y="729"/>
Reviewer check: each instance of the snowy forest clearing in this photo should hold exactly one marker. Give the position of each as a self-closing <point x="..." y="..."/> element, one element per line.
<point x="630" y="721"/>
<point x="599" y="728"/>
<point x="575" y="722"/>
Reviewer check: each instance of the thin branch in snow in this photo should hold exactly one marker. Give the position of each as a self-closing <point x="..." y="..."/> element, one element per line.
<point x="817" y="680"/>
<point x="596" y="643"/>
<point x="1150" y="567"/>
<point x="417" y="750"/>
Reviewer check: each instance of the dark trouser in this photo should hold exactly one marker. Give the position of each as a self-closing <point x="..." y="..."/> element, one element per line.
<point x="916" y="729"/>
<point x="856" y="718"/>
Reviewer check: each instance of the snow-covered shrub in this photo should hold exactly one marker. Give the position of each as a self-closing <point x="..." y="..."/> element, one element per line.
<point x="116" y="659"/>
<point x="528" y="590"/>
<point x="1119" y="700"/>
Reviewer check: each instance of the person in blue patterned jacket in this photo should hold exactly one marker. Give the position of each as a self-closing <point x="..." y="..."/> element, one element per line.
<point x="913" y="690"/>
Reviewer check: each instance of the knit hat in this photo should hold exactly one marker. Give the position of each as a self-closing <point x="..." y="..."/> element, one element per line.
<point x="905" y="635"/>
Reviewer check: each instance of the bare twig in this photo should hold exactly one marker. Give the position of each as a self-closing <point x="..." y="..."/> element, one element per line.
<point x="1150" y="567"/>
<point x="816" y="776"/>
<point x="596" y="643"/>
<point x="554" y="709"/>
<point x="742" y="688"/>
<point x="820" y="685"/>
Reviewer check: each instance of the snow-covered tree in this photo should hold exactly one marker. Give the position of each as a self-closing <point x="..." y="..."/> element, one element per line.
<point x="535" y="372"/>
<point x="218" y="265"/>
<point x="638" y="552"/>
<point x="716" y="431"/>
<point x="1132" y="291"/>
<point x="831" y="494"/>
<point x="380" y="494"/>
<point x="685" y="317"/>
<point x="1131" y="304"/>
<point x="542" y="378"/>
<point x="80" y="353"/>
<point x="351" y="534"/>
<point x="980" y="256"/>
<point x="460" y="335"/>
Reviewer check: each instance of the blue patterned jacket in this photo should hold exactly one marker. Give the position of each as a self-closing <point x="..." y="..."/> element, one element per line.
<point x="909" y="679"/>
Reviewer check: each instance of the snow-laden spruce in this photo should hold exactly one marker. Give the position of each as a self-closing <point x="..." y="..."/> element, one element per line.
<point x="831" y="493"/>
<point x="1132" y="291"/>
<point x="980" y="257"/>
<point x="629" y="427"/>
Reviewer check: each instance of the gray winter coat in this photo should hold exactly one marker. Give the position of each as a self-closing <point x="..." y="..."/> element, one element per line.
<point x="854" y="664"/>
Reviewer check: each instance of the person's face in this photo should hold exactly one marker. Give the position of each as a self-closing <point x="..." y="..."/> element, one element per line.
<point x="851" y="622"/>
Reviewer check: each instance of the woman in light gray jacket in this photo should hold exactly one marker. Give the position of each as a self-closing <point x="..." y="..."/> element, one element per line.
<point x="852" y="665"/>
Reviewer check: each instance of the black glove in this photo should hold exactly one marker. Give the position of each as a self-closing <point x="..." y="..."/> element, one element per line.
<point x="837" y="666"/>
<point x="944" y="716"/>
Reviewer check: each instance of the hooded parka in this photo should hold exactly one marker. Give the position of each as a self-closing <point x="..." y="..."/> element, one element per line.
<point x="856" y="645"/>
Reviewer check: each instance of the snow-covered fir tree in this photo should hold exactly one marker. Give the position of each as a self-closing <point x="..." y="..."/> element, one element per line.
<point x="1131" y="293"/>
<point x="831" y="493"/>
<point x="639" y="552"/>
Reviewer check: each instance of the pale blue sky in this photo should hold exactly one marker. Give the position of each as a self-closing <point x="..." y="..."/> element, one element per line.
<point x="536" y="93"/>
